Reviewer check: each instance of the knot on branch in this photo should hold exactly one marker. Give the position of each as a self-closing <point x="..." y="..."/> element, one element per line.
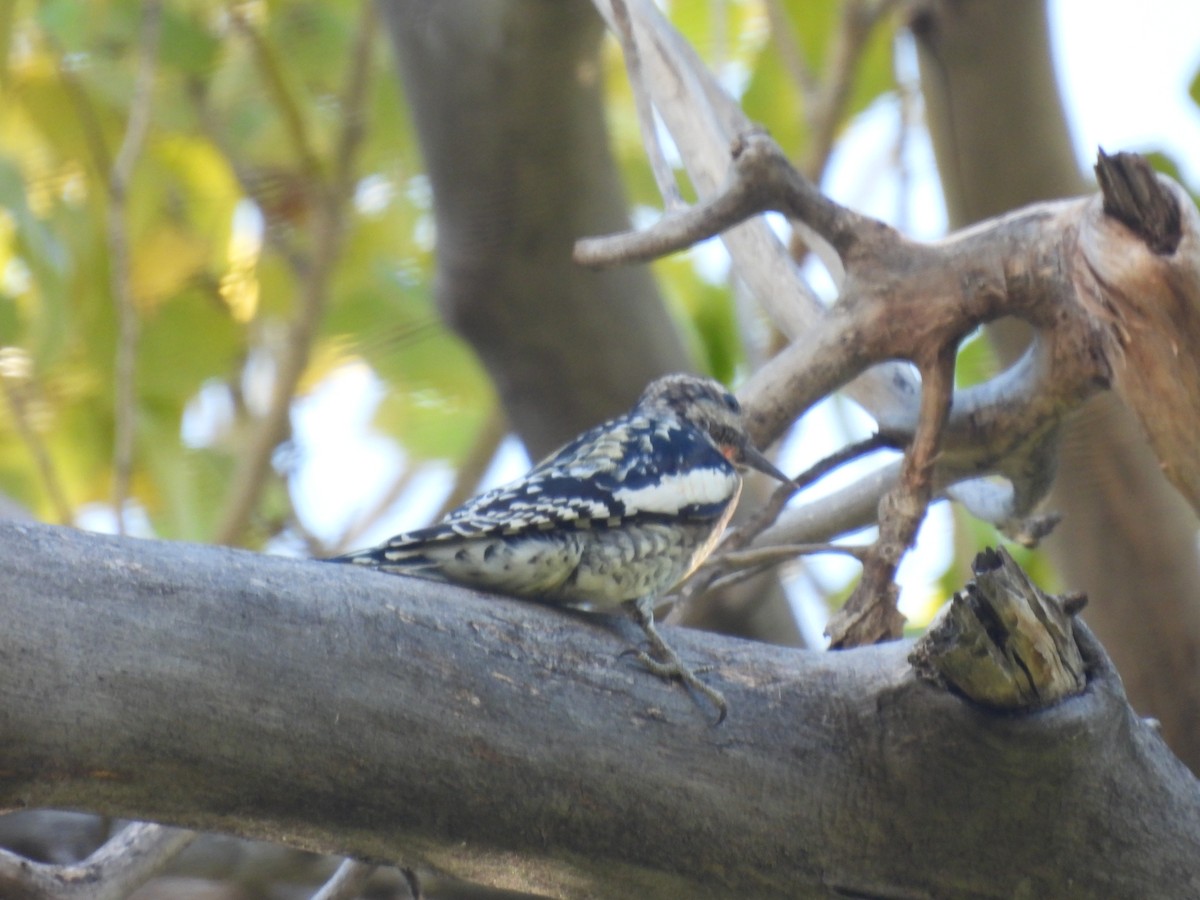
<point x="1003" y="642"/>
<point x="1134" y="196"/>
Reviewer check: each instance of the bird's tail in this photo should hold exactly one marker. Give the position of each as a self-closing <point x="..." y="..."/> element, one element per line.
<point x="396" y="560"/>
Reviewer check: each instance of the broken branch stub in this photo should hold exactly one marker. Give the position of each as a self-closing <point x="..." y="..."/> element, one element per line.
<point x="1002" y="642"/>
<point x="1138" y="274"/>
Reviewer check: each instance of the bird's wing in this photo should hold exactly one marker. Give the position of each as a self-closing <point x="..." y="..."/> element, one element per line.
<point x="630" y="467"/>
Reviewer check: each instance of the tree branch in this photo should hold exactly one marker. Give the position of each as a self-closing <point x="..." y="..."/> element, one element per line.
<point x="871" y="614"/>
<point x="396" y="719"/>
<point x="125" y="862"/>
<point x="117" y="230"/>
<point x="313" y="270"/>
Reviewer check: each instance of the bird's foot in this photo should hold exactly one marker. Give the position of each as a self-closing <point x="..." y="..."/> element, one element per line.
<point x="675" y="669"/>
<point x="666" y="664"/>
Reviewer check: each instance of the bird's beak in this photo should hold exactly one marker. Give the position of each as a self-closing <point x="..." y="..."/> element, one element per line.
<point x="754" y="459"/>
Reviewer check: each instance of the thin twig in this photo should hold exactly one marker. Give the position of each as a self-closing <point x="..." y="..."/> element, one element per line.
<point x="746" y="564"/>
<point x="482" y="452"/>
<point x="664" y="176"/>
<point x="89" y="121"/>
<point x="762" y="181"/>
<point x="466" y="481"/>
<point x="349" y="538"/>
<point x="328" y="220"/>
<point x="870" y="614"/>
<point x="267" y="62"/>
<point x="353" y="104"/>
<point x="14" y="380"/>
<point x="752" y="527"/>
<point x="128" y="324"/>
<point x="791" y="54"/>
<point x="768" y="556"/>
<point x="713" y="572"/>
<point x="347" y="882"/>
<point x="250" y="183"/>
<point x="825" y="107"/>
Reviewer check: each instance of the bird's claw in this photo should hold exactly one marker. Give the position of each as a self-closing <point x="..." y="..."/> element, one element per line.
<point x="674" y="669"/>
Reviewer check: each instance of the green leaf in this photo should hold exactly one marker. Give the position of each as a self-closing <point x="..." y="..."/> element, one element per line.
<point x="706" y="312"/>
<point x="186" y="341"/>
<point x="65" y="21"/>
<point x="186" y="44"/>
<point x="8" y="9"/>
<point x="182" y="488"/>
<point x="1162" y="162"/>
<point x="976" y="361"/>
<point x="774" y="99"/>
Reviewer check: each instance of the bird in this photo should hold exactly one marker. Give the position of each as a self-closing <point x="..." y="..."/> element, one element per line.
<point x="611" y="520"/>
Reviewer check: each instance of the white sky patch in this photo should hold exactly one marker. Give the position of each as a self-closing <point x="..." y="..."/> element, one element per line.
<point x="342" y="461"/>
<point x="373" y="194"/>
<point x="1124" y="72"/>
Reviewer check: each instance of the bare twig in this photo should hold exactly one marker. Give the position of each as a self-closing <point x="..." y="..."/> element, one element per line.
<point x="767" y="556"/>
<point x="126" y="861"/>
<point x="792" y="55"/>
<point x="751" y="528"/>
<point x="355" y="530"/>
<point x="115" y="174"/>
<point x="347" y="882"/>
<point x="728" y="555"/>
<point x="745" y="564"/>
<point x="826" y="105"/>
<point x="271" y="70"/>
<point x="128" y="324"/>
<point x="480" y="456"/>
<point x="254" y="186"/>
<point x="762" y="180"/>
<point x="663" y="174"/>
<point x="870" y="615"/>
<point x="93" y="131"/>
<point x="328" y="220"/>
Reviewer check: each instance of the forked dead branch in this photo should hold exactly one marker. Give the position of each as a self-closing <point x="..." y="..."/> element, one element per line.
<point x="1109" y="284"/>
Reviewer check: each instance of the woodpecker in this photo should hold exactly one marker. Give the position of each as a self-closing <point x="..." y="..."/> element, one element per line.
<point x="613" y="519"/>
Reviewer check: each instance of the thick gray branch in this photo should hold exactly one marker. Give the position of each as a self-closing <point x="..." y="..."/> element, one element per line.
<point x="409" y="722"/>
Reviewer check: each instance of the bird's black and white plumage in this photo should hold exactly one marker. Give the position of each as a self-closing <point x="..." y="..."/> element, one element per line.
<point x="617" y="516"/>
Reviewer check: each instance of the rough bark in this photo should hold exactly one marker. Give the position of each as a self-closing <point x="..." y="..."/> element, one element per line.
<point x="399" y="720"/>
<point x="1127" y="539"/>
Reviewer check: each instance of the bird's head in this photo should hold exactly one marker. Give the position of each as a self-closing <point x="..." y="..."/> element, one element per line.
<point x="706" y="404"/>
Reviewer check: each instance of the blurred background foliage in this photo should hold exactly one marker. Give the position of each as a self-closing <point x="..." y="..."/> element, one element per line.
<point x="254" y="111"/>
<point x="279" y="235"/>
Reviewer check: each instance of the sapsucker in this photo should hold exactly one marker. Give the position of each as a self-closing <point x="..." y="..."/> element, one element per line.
<point x="616" y="517"/>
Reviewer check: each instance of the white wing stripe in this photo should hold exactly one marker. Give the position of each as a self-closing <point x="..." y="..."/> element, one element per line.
<point x="672" y="492"/>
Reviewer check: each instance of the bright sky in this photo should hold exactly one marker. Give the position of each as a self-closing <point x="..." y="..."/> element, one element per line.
<point x="1125" y="69"/>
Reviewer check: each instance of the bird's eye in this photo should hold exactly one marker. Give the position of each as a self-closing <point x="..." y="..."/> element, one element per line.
<point x="731" y="403"/>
